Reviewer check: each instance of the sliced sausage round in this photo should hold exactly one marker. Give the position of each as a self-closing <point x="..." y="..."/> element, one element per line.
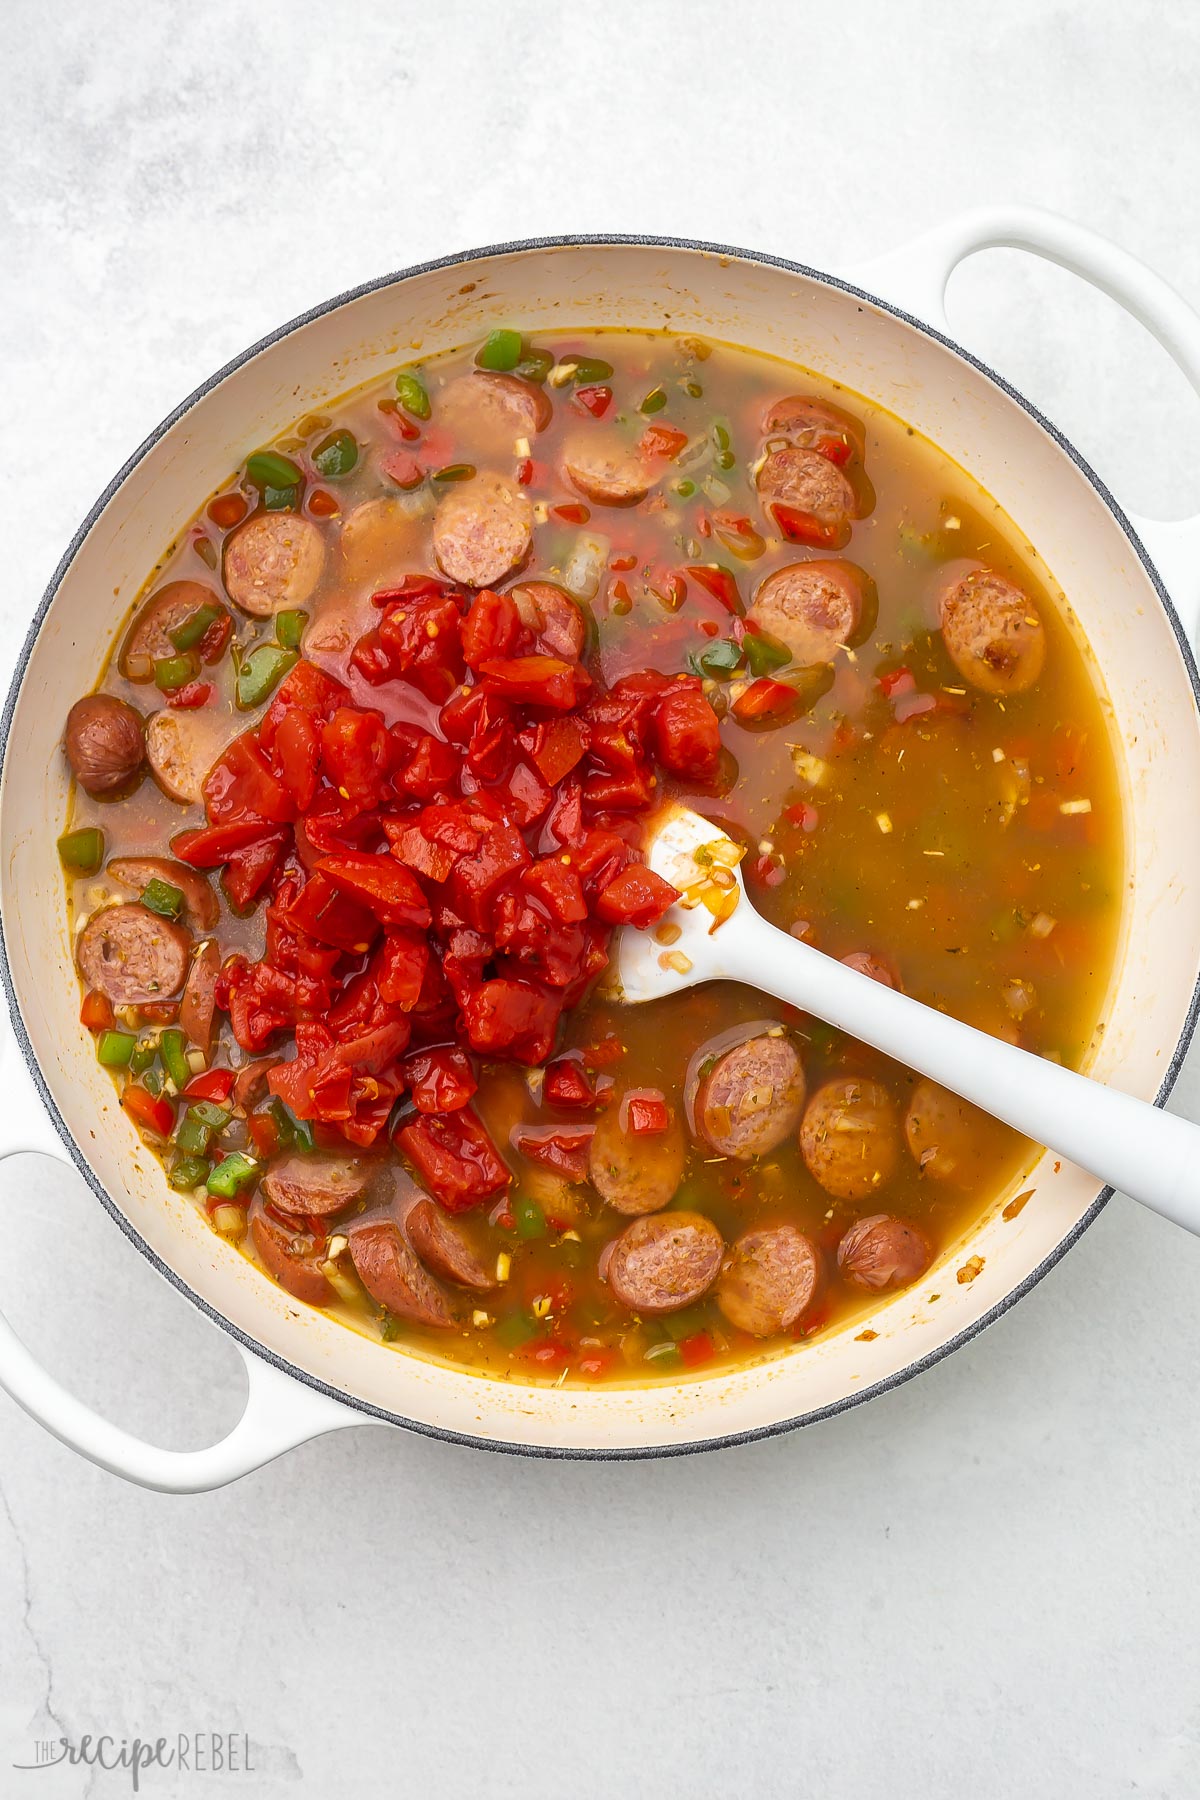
<point x="133" y="955"/>
<point x="273" y="561"/>
<point x="814" y="424"/>
<point x="482" y="530"/>
<point x="635" y="1172"/>
<point x="104" y="744"/>
<point x="554" y="618"/>
<point x="752" y="1098"/>
<point x="883" y="1252"/>
<point x="943" y="1133"/>
<point x="146" y="641"/>
<point x="315" y="1187"/>
<point x="200" y="907"/>
<point x="815" y="608"/>
<point x="809" y="483"/>
<point x="993" y="633"/>
<point x="604" y="470"/>
<point x="378" y="538"/>
<point x="769" y="1279"/>
<point x="388" y="1267"/>
<point x="197" y="1009"/>
<point x="181" y="747"/>
<point x="443" y="1247"/>
<point x="865" y="962"/>
<point x="289" y="1259"/>
<point x="487" y="408"/>
<point x="667" y="1261"/>
<point x="850" y="1137"/>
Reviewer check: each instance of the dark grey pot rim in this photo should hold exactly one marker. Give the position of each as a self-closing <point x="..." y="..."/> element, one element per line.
<point x="368" y="1410"/>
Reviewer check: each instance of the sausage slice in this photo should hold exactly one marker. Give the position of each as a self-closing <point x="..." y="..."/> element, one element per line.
<point x="444" y="1248"/>
<point x="197" y="1009"/>
<point x="883" y="1252"/>
<point x="199" y="902"/>
<point x="482" y="530"/>
<point x="814" y="424"/>
<point x="289" y="1259"/>
<point x="378" y="538"/>
<point x="317" y="1187"/>
<point x="635" y="1172"/>
<point x="133" y="955"/>
<point x="388" y="1268"/>
<point x="146" y="641"/>
<point x="942" y="1133"/>
<point x="993" y="633"/>
<point x="769" y="1279"/>
<point x="815" y="608"/>
<point x="809" y="483"/>
<point x="104" y="744"/>
<point x="604" y="470"/>
<point x="181" y="747"/>
<point x="752" y="1098"/>
<point x="850" y="1137"/>
<point x="554" y="618"/>
<point x="487" y="408"/>
<point x="665" y="1262"/>
<point x="865" y="962"/>
<point x="273" y="561"/>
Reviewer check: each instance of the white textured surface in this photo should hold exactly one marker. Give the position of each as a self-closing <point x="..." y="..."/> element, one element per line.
<point x="984" y="1584"/>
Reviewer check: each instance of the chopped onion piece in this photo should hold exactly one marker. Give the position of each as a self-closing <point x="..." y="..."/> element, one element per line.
<point x="585" y="566"/>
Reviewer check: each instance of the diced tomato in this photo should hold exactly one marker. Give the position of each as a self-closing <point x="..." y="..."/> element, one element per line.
<point x="645" y="1113"/>
<point x="332" y="917"/>
<point x="356" y="754"/>
<point x="211" y="845"/>
<point x="718" y="581"/>
<point x="765" y="702"/>
<point x="662" y="441"/>
<point x="512" y="1019"/>
<point x="537" y="680"/>
<point x="401" y="967"/>
<point x="455" y="1158"/>
<point x="248" y="871"/>
<point x="227" y="510"/>
<point x="555" y="746"/>
<point x="803" y="815"/>
<point x="158" y="1012"/>
<point x="440" y="1079"/>
<point x="568" y="1084"/>
<point x="307" y="687"/>
<point x="192" y="694"/>
<point x="242" y="783"/>
<point x="563" y="1148"/>
<point x="297" y="755"/>
<point x="594" y="398"/>
<point x="381" y="884"/>
<point x="322" y="504"/>
<point x="417" y="639"/>
<point x="149" y="1112"/>
<point x="212" y="1084"/>
<point x="687" y="737"/>
<point x="603" y="1053"/>
<point x="621" y="565"/>
<point x="559" y="887"/>
<point x="637" y="896"/>
<point x="96" y="1012"/>
<point x="411" y="847"/>
<point x="490" y="629"/>
<point x="475" y="879"/>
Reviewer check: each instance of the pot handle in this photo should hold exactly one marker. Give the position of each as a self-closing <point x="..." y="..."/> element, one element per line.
<point x="915" y="278"/>
<point x="279" y="1414"/>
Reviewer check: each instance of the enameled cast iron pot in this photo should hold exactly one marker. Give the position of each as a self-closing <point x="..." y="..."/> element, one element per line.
<point x="307" y="1374"/>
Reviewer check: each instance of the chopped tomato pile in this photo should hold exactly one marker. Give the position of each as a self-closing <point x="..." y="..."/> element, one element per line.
<point x="432" y="896"/>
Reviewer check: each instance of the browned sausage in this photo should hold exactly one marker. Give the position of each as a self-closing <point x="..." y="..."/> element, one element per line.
<point x="274" y="560"/>
<point x="252" y="1078"/>
<point x="993" y="633"/>
<point x="289" y="1259"/>
<point x="865" y="962"/>
<point x="315" y="1187"/>
<point x="482" y="530"/>
<point x="602" y="469"/>
<point x="197" y="1009"/>
<point x="555" y="619"/>
<point x="199" y="902"/>
<point x="665" y="1262"/>
<point x="181" y="747"/>
<point x="485" y="408"/>
<point x="146" y="641"/>
<point x="388" y="1268"/>
<point x="103" y="742"/>
<point x="769" y="1279"/>
<point x="133" y="955"/>
<point x="815" y="608"/>
<point x="850" y="1137"/>
<point x="943" y="1133"/>
<point x="443" y="1246"/>
<point x="809" y="483"/>
<point x="752" y="1098"/>
<point x="635" y="1172"/>
<point x="882" y="1252"/>
<point x="814" y="424"/>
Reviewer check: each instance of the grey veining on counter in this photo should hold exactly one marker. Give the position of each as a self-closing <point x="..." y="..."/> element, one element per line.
<point x="984" y="1584"/>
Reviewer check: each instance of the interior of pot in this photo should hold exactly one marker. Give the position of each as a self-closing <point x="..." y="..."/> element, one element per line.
<point x="555" y="289"/>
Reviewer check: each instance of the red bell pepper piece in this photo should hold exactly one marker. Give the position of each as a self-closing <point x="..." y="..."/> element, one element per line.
<point x="718" y="581"/>
<point x="645" y="1113"/>
<point x="662" y="441"/>
<point x="96" y="1012"/>
<point x="765" y="702"/>
<point x="697" y="1350"/>
<point x="213" y="1084"/>
<point x="455" y="1158"/>
<point x="805" y="528"/>
<point x="569" y="1085"/>
<point x="563" y="1148"/>
<point x="150" y="1112"/>
<point x="192" y="694"/>
<point x="594" y="398"/>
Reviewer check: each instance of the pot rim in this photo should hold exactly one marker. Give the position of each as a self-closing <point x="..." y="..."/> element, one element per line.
<point x="366" y="1408"/>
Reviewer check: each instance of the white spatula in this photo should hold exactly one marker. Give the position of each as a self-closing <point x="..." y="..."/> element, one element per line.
<point x="1128" y="1144"/>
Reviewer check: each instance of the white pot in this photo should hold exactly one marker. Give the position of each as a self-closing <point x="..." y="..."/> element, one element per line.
<point x="309" y="1374"/>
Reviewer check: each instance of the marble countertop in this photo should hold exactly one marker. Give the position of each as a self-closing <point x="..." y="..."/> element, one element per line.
<point x="985" y="1583"/>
